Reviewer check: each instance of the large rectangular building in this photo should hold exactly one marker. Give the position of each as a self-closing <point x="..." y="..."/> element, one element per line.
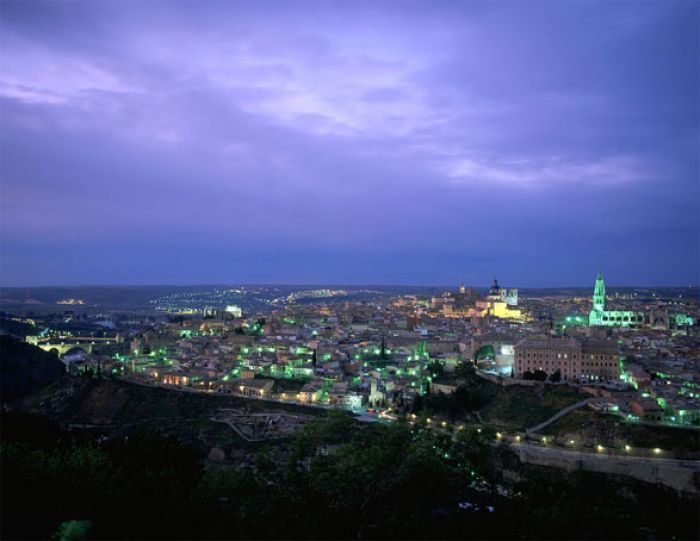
<point x="576" y="359"/>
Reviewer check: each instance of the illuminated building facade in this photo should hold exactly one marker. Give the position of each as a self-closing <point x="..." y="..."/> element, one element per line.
<point x="499" y="303"/>
<point x="656" y="318"/>
<point x="574" y="359"/>
<point x="501" y="294"/>
<point x="599" y="316"/>
<point x="233" y="310"/>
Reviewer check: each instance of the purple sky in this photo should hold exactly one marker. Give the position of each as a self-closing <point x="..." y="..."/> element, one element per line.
<point x="349" y="142"/>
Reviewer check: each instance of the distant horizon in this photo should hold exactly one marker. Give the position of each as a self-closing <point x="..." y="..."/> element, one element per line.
<point x="356" y="285"/>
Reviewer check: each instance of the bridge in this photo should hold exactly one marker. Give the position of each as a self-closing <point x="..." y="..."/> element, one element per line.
<point x="64" y="345"/>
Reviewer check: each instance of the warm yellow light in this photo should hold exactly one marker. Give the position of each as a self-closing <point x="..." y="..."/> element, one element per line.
<point x="657" y="450"/>
<point x="600" y="448"/>
<point x="627" y="448"/>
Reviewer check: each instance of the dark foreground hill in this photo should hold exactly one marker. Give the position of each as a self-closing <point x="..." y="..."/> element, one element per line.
<point x="118" y="408"/>
<point x="334" y="480"/>
<point x="25" y="369"/>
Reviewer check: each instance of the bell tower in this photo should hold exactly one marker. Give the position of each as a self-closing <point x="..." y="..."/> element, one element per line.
<point x="596" y="315"/>
<point x="599" y="293"/>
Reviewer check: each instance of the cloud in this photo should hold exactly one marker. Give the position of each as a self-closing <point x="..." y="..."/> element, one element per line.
<point x="610" y="171"/>
<point x="315" y="125"/>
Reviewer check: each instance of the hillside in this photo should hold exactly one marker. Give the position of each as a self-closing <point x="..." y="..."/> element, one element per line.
<point x="115" y="407"/>
<point x="25" y="369"/>
<point x="505" y="407"/>
<point x="595" y="428"/>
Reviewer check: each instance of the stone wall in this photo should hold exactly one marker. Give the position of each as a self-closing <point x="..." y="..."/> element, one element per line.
<point x="681" y="475"/>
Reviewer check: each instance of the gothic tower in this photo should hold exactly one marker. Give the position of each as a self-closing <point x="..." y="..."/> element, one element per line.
<point x="596" y="315"/>
<point x="599" y="293"/>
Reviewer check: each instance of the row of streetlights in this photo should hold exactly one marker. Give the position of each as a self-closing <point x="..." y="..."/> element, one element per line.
<point x="517" y="438"/>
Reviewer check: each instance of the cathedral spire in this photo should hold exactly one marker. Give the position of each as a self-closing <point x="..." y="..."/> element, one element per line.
<point x="596" y="315"/>
<point x="599" y="293"/>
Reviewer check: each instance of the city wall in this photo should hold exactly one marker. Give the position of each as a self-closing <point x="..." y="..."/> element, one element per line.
<point x="680" y="475"/>
<point x="500" y="380"/>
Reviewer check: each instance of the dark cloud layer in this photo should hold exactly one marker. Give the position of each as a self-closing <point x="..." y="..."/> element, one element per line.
<point x="349" y="142"/>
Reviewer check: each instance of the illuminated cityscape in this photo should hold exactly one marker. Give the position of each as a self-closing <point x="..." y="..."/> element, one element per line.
<point x="349" y="270"/>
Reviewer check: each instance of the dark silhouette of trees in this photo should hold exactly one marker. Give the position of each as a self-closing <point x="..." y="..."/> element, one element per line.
<point x="335" y="479"/>
<point x="539" y="375"/>
<point x="435" y="369"/>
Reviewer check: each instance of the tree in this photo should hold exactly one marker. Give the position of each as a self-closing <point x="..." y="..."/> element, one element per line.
<point x="383" y="353"/>
<point x="540" y="375"/>
<point x="464" y="372"/>
<point x="485" y="352"/>
<point x="555" y="376"/>
<point x="435" y="369"/>
<point x="528" y="375"/>
<point x="417" y="403"/>
<point x="73" y="530"/>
